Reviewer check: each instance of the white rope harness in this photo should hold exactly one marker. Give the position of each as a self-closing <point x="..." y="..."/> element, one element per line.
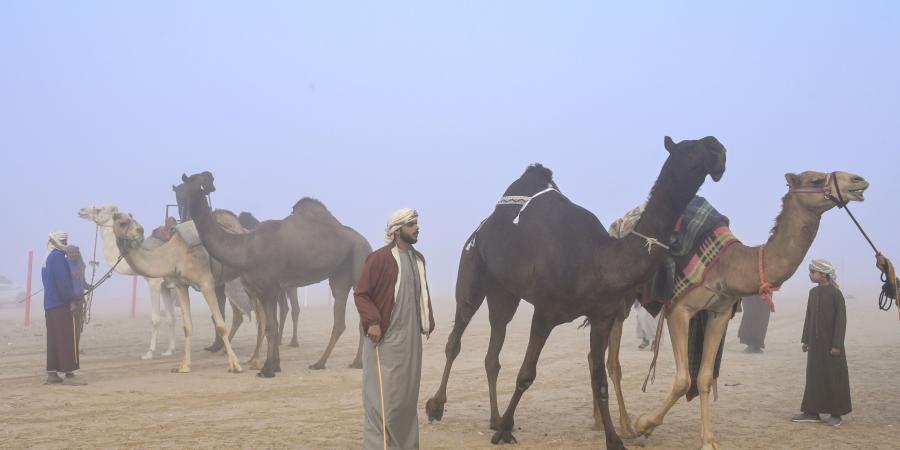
<point x="523" y="200"/>
<point x="650" y="242"/>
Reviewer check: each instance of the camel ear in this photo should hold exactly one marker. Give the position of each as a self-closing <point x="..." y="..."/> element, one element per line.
<point x="130" y="216"/>
<point x="183" y="177"/>
<point x="669" y="143"/>
<point x="792" y="179"/>
<point x="175" y="188"/>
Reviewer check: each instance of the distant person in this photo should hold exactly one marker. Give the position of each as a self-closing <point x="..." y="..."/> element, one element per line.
<point x="79" y="284"/>
<point x="59" y="304"/>
<point x="827" y="382"/>
<point x="754" y="323"/>
<point x="646" y="326"/>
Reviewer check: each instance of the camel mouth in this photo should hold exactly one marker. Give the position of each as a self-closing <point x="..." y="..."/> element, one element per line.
<point x="857" y="194"/>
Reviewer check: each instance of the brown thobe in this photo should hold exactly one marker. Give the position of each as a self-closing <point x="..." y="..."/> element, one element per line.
<point x="827" y="381"/>
<point x="62" y="347"/>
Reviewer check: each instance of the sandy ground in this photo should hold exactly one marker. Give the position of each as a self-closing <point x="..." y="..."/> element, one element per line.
<point x="135" y="403"/>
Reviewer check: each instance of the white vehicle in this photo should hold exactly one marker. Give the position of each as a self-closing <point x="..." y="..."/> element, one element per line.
<point x="11" y="294"/>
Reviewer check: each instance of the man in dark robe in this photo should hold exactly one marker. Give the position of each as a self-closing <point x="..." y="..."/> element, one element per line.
<point x="59" y="304"/>
<point x="827" y="382"/>
<point x="754" y="323"/>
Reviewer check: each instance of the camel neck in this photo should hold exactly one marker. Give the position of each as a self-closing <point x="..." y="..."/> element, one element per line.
<point x="794" y="232"/>
<point x="154" y="263"/>
<point x="668" y="199"/>
<point x="226" y="247"/>
<point x="111" y="251"/>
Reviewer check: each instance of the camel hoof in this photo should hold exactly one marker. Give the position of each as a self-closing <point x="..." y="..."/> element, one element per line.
<point x="615" y="443"/>
<point x="355" y="365"/>
<point x="168" y="353"/>
<point x="317" y="366"/>
<point x="294" y="344"/>
<point x="181" y="370"/>
<point x="265" y="374"/>
<point x="713" y="445"/>
<point x="253" y="365"/>
<point x="235" y="369"/>
<point x="503" y="437"/>
<point x="146" y="356"/>
<point x="434" y="409"/>
<point x="642" y="426"/>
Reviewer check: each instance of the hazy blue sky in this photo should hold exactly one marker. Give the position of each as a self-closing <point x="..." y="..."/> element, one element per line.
<point x="373" y="106"/>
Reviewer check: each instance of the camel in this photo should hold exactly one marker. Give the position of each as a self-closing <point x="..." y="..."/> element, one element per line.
<point x="736" y="274"/>
<point x="185" y="265"/>
<point x="539" y="246"/>
<point x="103" y="217"/>
<point x="308" y="246"/>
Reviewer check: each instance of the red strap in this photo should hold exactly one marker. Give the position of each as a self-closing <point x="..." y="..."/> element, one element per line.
<point x="766" y="289"/>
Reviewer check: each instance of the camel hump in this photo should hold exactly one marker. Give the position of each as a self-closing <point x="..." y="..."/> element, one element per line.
<point x="229" y="221"/>
<point x="248" y="220"/>
<point x="312" y="208"/>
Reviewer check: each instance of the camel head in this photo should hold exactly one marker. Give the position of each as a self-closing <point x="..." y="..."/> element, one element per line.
<point x="819" y="192"/>
<point x="129" y="233"/>
<point x="101" y="215"/>
<point x="706" y="155"/>
<point x="193" y="187"/>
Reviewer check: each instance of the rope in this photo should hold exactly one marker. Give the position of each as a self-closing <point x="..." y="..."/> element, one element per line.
<point x="651" y="373"/>
<point x="90" y="298"/>
<point x="381" y="392"/>
<point x="650" y="242"/>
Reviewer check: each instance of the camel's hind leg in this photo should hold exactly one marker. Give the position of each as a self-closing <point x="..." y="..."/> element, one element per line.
<point x="340" y="289"/>
<point x="237" y="318"/>
<point x="295" y="315"/>
<point x="254" y="363"/>
<point x="678" y="320"/>
<point x="469" y="297"/>
<point x="168" y="302"/>
<point x="155" y="288"/>
<point x="502" y="307"/>
<point x="716" y="325"/>
<point x="220" y="301"/>
<point x="601" y="330"/>
<point x="282" y="315"/>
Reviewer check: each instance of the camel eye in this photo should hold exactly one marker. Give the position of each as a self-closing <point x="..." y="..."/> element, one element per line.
<point x="818" y="181"/>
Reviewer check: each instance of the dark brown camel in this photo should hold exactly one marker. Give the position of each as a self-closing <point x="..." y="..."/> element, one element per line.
<point x="558" y="256"/>
<point x="306" y="247"/>
<point x="250" y="222"/>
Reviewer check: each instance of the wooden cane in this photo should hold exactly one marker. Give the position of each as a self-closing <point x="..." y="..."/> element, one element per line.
<point x="381" y="391"/>
<point x="74" y="335"/>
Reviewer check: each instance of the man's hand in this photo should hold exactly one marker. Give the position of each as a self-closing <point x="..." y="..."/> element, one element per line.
<point x="880" y="262"/>
<point x="374" y="333"/>
<point x="805" y="348"/>
<point x="835" y="351"/>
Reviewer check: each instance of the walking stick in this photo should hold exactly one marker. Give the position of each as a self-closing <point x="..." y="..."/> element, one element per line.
<point x="381" y="391"/>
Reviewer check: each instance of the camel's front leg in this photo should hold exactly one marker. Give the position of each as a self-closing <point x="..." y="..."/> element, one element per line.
<point x="209" y="294"/>
<point x="678" y="321"/>
<point x="155" y="319"/>
<point x="237" y="318"/>
<point x="181" y="292"/>
<point x="614" y="368"/>
<point x="716" y="326"/>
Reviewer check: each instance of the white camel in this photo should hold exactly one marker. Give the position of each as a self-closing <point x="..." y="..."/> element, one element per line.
<point x="159" y="289"/>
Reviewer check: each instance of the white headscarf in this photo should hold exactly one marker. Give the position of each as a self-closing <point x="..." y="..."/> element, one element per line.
<point x="57" y="240"/>
<point x="824" y="266"/>
<point x="400" y="218"/>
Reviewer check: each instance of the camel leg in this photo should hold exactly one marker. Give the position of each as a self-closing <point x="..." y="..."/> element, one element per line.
<point x="678" y="321"/>
<point x="181" y="292"/>
<point x="540" y="331"/>
<point x="282" y="315"/>
<point x="269" y="300"/>
<point x="469" y="297"/>
<point x="295" y="315"/>
<point x="614" y="370"/>
<point x="716" y="326"/>
<point x="220" y="300"/>
<point x="213" y="302"/>
<point x="601" y="326"/>
<point x="154" y="316"/>
<point x="254" y="362"/>
<point x="237" y="318"/>
<point x="169" y="303"/>
<point x="502" y="307"/>
<point x="340" y="289"/>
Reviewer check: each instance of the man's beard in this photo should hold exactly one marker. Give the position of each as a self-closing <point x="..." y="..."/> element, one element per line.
<point x="408" y="238"/>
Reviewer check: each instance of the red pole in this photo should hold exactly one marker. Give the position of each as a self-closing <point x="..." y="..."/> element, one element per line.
<point x="28" y="289"/>
<point x="133" y="294"/>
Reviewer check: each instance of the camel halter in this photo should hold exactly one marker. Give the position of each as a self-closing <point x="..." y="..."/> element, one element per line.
<point x="524" y="200"/>
<point x="649" y="242"/>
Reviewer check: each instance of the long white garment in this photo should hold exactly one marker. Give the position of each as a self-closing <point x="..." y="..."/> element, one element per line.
<point x="646" y="324"/>
<point x="401" y="369"/>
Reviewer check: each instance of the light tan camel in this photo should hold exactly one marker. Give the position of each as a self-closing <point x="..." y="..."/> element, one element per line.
<point x="187" y="266"/>
<point x="736" y="275"/>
